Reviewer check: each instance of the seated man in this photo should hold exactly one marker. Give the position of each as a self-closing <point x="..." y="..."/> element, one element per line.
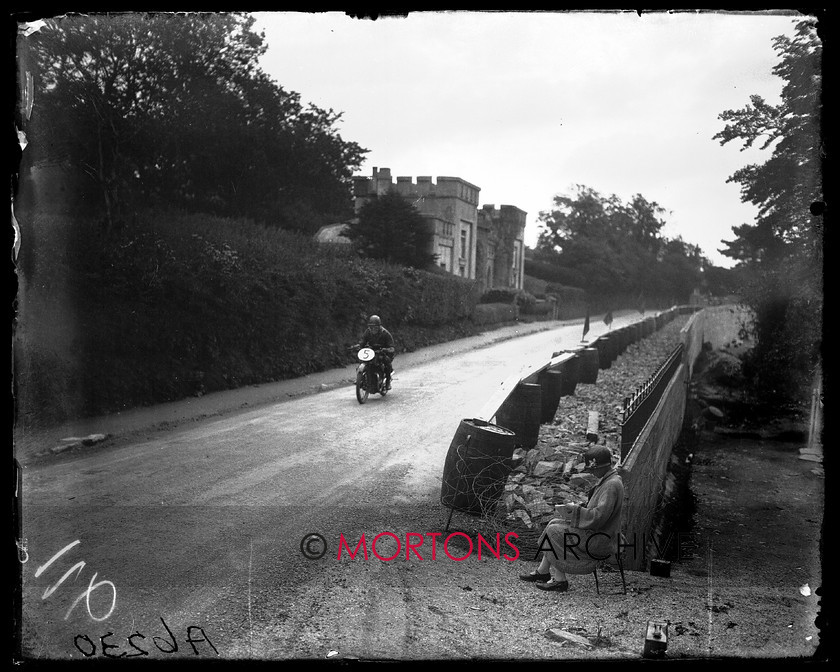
<point x="379" y="338"/>
<point x="582" y="536"/>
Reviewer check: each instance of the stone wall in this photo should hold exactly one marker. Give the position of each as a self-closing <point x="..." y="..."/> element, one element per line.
<point x="692" y="335"/>
<point x="645" y="469"/>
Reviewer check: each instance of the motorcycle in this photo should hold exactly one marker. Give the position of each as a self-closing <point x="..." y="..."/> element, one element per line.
<point x="370" y="375"/>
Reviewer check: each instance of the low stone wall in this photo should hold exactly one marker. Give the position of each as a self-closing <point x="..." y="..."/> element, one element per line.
<point x="723" y="324"/>
<point x="645" y="469"/>
<point x="692" y="335"/>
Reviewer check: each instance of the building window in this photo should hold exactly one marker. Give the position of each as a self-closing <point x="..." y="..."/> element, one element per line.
<point x="445" y="257"/>
<point x="463" y="244"/>
<point x="517" y="252"/>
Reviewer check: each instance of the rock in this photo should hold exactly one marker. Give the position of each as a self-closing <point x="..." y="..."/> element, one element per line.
<point x="544" y="468"/>
<point x="66" y="446"/>
<point x="564" y="636"/>
<point x="531" y="459"/>
<point x="524" y="517"/>
<point x="72" y="441"/>
<point x="540" y="508"/>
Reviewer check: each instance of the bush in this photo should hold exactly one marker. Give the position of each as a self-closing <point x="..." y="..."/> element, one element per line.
<point x="571" y="301"/>
<point x="535" y="286"/>
<point x="541" y="307"/>
<point x="173" y="305"/>
<point x="508" y="295"/>
<point x="494" y="313"/>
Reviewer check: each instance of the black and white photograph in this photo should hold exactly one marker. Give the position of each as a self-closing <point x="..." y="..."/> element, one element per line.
<point x="434" y="335"/>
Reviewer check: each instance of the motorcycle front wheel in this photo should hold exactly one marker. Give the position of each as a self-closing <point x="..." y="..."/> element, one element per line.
<point x="361" y="392"/>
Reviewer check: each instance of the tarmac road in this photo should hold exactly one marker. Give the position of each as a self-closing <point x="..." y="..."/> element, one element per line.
<point x="186" y="536"/>
<point x="195" y="532"/>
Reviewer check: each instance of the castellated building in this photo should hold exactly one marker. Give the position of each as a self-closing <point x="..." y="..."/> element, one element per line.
<point x="484" y="244"/>
<point x="450" y="205"/>
<point x="500" y="248"/>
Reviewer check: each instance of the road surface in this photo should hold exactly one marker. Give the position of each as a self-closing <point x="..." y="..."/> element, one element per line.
<point x="188" y="543"/>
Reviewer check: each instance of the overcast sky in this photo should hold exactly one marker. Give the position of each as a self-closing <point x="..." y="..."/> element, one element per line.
<point x="527" y="105"/>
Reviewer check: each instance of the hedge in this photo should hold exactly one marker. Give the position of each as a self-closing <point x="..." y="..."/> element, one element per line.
<point x="173" y="305"/>
<point x="493" y="313"/>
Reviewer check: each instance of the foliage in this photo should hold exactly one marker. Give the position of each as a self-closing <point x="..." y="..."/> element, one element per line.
<point x="390" y="228"/>
<point x="780" y="256"/>
<point x="614" y="249"/>
<point x="507" y="295"/>
<point x="722" y="282"/>
<point x="172" y="108"/>
<point x="495" y="313"/>
<point x="178" y="304"/>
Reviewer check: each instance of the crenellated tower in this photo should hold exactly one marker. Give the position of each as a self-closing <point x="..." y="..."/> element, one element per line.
<point x="449" y="204"/>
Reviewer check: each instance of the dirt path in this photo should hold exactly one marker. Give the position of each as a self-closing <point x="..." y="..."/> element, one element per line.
<point x="756" y="558"/>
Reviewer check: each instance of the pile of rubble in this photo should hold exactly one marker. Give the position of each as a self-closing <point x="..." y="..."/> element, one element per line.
<point x="550" y="472"/>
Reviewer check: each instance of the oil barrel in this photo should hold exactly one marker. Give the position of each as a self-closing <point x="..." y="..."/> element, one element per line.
<point x="477" y="466"/>
<point x="521" y="412"/>
<point x="589" y="365"/>
<point x="551" y="382"/>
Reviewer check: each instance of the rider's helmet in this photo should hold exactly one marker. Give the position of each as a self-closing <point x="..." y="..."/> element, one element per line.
<point x="374" y="321"/>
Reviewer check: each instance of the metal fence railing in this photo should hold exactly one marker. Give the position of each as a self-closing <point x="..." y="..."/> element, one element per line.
<point x="639" y="407"/>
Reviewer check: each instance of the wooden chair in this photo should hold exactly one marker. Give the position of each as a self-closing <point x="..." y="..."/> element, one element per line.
<point x="620" y="569"/>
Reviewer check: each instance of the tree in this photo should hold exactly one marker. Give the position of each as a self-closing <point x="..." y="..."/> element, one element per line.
<point x="390" y="228"/>
<point x="781" y="253"/>
<point x="173" y="108"/>
<point x="614" y="250"/>
<point x="792" y="175"/>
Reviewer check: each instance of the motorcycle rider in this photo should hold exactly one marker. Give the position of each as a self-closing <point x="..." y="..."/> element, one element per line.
<point x="380" y="339"/>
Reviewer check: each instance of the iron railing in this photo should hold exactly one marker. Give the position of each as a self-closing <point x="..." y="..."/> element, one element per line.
<point x="639" y="407"/>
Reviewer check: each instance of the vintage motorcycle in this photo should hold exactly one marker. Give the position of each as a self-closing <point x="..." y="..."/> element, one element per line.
<point x="370" y="375"/>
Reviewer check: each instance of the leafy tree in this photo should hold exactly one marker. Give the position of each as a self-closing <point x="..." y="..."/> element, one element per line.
<point x="390" y="228"/>
<point x="613" y="249"/>
<point x="781" y="253"/>
<point x="173" y="108"/>
<point x="680" y="268"/>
